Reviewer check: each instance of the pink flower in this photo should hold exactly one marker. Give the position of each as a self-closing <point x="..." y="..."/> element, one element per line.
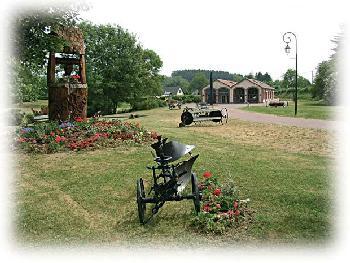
<point x="21" y="140"/>
<point x="235" y="204"/>
<point x="58" y="139"/>
<point x="207" y="174"/>
<point x="52" y="134"/>
<point x="230" y="213"/>
<point x="217" y="192"/>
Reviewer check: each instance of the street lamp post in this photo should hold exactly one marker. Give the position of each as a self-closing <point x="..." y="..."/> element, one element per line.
<point x="287" y="39"/>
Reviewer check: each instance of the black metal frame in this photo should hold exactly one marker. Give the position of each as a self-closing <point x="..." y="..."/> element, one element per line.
<point x="169" y="179"/>
<point x="191" y="115"/>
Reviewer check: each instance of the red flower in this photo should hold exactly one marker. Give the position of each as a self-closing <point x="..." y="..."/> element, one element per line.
<point x="58" y="139"/>
<point x="21" y="140"/>
<point x="78" y="119"/>
<point x="237" y="212"/>
<point x="235" y="204"/>
<point x="75" y="77"/>
<point x="217" y="192"/>
<point x="52" y="133"/>
<point x="207" y="174"/>
<point x="73" y="146"/>
<point x="206" y="208"/>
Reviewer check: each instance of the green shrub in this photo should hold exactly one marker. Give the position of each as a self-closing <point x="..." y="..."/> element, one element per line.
<point x="188" y="98"/>
<point x="147" y="104"/>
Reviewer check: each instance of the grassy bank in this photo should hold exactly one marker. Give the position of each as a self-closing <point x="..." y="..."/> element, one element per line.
<point x="306" y="109"/>
<point x="74" y="198"/>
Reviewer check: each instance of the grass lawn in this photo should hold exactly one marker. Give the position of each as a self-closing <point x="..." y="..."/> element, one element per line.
<point x="89" y="197"/>
<point x="27" y="106"/>
<point x="306" y="109"/>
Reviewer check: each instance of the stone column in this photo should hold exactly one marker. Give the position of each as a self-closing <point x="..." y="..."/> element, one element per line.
<point x="245" y="95"/>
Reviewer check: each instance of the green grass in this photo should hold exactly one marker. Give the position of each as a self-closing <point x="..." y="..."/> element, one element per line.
<point x="89" y="197"/>
<point x="306" y="109"/>
<point x="27" y="106"/>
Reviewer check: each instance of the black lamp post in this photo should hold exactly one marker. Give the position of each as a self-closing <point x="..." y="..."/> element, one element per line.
<point x="287" y="39"/>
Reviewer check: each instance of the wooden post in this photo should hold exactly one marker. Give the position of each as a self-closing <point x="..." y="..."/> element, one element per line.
<point x="82" y="69"/>
<point x="51" y="68"/>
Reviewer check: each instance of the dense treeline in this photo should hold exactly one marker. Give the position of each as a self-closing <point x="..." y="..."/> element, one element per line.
<point x="189" y="74"/>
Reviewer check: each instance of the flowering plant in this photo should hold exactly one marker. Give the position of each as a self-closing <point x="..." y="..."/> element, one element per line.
<point x="79" y="134"/>
<point x="221" y="206"/>
<point x="75" y="78"/>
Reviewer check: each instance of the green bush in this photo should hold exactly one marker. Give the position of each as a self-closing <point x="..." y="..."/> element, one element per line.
<point x="188" y="98"/>
<point x="147" y="104"/>
<point x="303" y="93"/>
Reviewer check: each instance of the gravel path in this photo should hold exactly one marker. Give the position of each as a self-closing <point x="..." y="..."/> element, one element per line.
<point x="269" y="118"/>
<point x="234" y="111"/>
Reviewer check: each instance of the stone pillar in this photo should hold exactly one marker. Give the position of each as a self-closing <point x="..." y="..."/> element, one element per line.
<point x="245" y="95"/>
<point x="231" y="96"/>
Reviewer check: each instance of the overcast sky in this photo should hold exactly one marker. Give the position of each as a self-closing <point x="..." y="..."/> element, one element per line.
<point x="235" y="36"/>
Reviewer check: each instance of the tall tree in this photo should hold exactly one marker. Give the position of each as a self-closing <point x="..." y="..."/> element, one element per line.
<point x="288" y="81"/>
<point x="118" y="68"/>
<point x="198" y="82"/>
<point x="31" y="43"/>
<point x="177" y="81"/>
<point x="324" y="82"/>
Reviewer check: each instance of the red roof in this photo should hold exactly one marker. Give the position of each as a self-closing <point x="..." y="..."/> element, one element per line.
<point x="229" y="83"/>
<point x="260" y="83"/>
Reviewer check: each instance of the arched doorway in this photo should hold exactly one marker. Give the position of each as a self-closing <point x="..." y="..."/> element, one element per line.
<point x="238" y="96"/>
<point x="224" y="96"/>
<point x="253" y="95"/>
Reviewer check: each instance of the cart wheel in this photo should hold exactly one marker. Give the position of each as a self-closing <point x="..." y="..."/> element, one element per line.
<point x="195" y="193"/>
<point x="186" y="118"/>
<point x="140" y="193"/>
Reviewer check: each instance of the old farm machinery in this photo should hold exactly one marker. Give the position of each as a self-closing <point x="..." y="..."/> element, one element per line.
<point x="203" y="113"/>
<point x="169" y="179"/>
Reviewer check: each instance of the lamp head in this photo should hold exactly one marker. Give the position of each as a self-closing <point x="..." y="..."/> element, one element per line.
<point x="287" y="49"/>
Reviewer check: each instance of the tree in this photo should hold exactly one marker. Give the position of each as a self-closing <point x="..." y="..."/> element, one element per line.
<point x="288" y="81"/>
<point x="28" y="86"/>
<point x="325" y="82"/>
<point x="118" y="68"/>
<point x="249" y="76"/>
<point x="31" y="43"/>
<point x="32" y="40"/>
<point x="198" y="82"/>
<point x="263" y="77"/>
<point x="177" y="81"/>
<point x="237" y="77"/>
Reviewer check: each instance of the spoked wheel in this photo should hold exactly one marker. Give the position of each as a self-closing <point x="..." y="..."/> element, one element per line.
<point x="195" y="193"/>
<point x="140" y="193"/>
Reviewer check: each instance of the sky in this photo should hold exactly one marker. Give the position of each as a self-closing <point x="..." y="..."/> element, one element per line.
<point x="235" y="36"/>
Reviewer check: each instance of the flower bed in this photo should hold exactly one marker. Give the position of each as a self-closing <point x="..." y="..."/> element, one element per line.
<point x="221" y="207"/>
<point x="78" y="135"/>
